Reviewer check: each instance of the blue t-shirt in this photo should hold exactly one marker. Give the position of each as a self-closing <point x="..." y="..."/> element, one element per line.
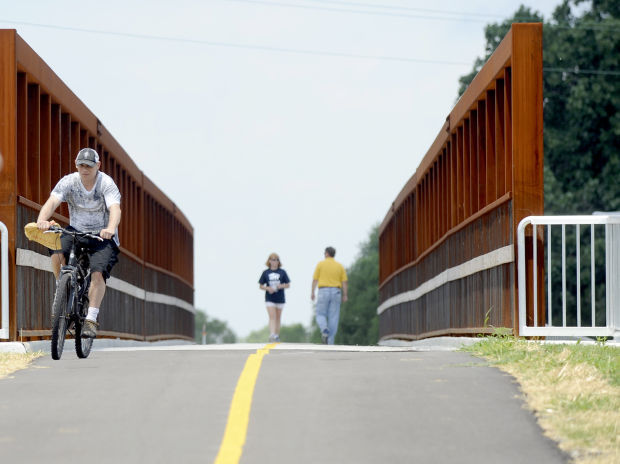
<point x="273" y="279"/>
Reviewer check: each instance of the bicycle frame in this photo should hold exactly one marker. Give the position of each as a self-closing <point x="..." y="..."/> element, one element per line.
<point x="79" y="271"/>
<point x="80" y="278"/>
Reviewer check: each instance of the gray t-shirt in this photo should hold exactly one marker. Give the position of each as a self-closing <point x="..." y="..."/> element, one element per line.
<point x="88" y="210"/>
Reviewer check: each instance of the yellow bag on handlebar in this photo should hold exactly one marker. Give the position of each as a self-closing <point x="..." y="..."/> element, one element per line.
<point x="50" y="239"/>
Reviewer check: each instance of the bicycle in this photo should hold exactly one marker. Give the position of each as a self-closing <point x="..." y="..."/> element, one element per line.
<point x="71" y="299"/>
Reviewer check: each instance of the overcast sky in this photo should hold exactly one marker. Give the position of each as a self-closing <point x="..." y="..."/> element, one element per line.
<point x="275" y="125"/>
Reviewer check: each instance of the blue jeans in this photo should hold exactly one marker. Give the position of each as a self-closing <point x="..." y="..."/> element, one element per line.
<point x="328" y="311"/>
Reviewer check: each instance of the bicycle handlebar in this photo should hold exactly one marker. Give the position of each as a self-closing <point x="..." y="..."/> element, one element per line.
<point x="74" y="233"/>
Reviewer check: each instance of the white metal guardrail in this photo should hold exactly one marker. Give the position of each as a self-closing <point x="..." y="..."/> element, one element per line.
<point x="574" y="319"/>
<point x="4" y="284"/>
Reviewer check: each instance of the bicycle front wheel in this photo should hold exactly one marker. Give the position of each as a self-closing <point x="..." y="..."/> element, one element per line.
<point x="82" y="344"/>
<point x="60" y="309"/>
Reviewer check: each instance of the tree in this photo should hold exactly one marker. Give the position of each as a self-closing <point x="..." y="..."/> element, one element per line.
<point x="258" y="336"/>
<point x="494" y="33"/>
<point x="582" y="98"/>
<point x="216" y="331"/>
<point x="359" y="324"/>
<point x="581" y="58"/>
<point x="294" y="333"/>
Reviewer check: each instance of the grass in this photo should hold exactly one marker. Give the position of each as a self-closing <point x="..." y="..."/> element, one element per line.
<point x="574" y="390"/>
<point x="11" y="362"/>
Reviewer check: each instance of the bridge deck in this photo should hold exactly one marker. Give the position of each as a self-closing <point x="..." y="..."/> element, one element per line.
<point x="310" y="404"/>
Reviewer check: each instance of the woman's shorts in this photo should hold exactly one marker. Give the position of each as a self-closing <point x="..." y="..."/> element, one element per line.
<point x="271" y="304"/>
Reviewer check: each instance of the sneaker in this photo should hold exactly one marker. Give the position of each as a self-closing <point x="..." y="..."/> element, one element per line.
<point x="271" y="338"/>
<point x="276" y="338"/>
<point x="324" y="338"/>
<point x="89" y="329"/>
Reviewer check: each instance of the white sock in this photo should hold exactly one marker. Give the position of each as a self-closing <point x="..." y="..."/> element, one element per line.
<point x="92" y="314"/>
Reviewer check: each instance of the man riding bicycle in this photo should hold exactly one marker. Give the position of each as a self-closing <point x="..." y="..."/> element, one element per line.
<point x="94" y="206"/>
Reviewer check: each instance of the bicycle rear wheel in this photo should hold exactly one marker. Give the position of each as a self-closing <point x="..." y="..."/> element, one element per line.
<point x="60" y="309"/>
<point x="82" y="344"/>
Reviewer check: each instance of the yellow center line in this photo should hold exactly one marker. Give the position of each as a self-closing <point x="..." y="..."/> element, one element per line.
<point x="240" y="406"/>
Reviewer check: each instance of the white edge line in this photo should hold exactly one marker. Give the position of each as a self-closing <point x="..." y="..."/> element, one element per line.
<point x="29" y="258"/>
<point x="489" y="260"/>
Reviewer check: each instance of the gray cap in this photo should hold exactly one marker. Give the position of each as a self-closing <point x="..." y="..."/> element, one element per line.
<point x="87" y="156"/>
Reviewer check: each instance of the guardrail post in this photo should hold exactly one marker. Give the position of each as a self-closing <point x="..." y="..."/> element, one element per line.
<point x="612" y="272"/>
<point x="4" y="285"/>
<point x="612" y="244"/>
<point x="521" y="272"/>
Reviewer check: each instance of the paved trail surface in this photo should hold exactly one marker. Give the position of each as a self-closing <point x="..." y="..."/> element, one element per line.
<point x="311" y="404"/>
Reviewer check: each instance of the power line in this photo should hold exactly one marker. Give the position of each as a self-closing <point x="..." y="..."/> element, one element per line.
<point x="292" y="50"/>
<point x="360" y="12"/>
<point x="582" y="71"/>
<point x="243" y="46"/>
<point x="406" y="8"/>
<point x="452" y="15"/>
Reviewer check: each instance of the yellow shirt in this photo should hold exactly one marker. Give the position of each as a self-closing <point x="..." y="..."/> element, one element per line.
<point x="330" y="273"/>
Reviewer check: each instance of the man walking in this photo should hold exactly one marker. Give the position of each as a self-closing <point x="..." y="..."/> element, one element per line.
<point x="331" y="278"/>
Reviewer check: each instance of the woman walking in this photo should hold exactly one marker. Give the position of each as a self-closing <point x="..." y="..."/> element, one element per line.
<point x="274" y="280"/>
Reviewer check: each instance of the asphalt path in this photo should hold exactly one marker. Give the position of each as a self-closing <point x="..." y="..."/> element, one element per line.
<point x="311" y="404"/>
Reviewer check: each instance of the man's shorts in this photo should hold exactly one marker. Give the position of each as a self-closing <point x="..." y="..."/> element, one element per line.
<point x="103" y="255"/>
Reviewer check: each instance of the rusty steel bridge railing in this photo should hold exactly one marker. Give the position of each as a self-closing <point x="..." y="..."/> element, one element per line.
<point x="447" y="247"/>
<point x="43" y="125"/>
